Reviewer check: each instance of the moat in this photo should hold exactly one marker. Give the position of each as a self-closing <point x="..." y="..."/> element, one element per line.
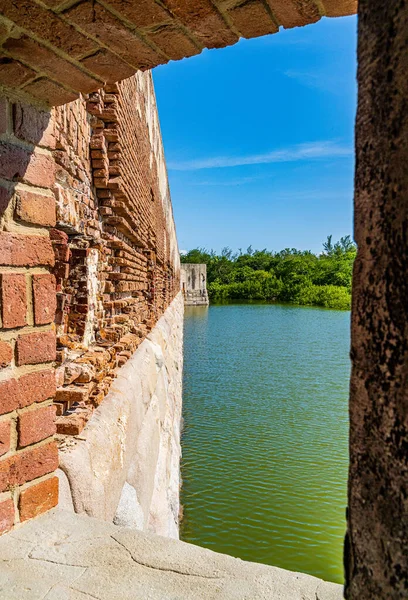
<point x="264" y="463"/>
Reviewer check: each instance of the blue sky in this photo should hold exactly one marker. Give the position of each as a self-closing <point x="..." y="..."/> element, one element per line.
<point x="258" y="139"/>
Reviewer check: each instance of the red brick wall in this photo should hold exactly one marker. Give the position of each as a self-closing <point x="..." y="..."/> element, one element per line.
<point x="88" y="263"/>
<point x="116" y="251"/>
<point x="27" y="307"/>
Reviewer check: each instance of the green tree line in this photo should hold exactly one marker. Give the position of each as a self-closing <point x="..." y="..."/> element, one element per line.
<point x="291" y="275"/>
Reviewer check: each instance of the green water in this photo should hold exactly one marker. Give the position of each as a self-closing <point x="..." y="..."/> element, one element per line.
<point x="265" y="434"/>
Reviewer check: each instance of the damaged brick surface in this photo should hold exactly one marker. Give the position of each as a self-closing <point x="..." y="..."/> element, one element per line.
<point x="88" y="264"/>
<point x="52" y="51"/>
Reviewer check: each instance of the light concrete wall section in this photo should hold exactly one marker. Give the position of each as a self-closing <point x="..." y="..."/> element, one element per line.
<point x="125" y="466"/>
<point x="193" y="281"/>
<point x="63" y="556"/>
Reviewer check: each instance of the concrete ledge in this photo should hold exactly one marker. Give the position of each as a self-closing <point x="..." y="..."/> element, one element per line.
<point x="65" y="556"/>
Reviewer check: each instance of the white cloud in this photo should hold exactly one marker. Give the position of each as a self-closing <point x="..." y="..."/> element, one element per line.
<point x="300" y="152"/>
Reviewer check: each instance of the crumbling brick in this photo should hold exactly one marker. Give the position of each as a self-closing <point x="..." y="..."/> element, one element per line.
<point x="38" y="498"/>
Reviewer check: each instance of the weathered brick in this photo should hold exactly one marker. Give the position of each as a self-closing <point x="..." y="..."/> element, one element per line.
<point x="36" y="387"/>
<point x="4" y="30"/>
<point x="58" y="236"/>
<point x="107" y="66"/>
<point x="5" y="430"/>
<point x="33" y="125"/>
<point x="62" y="252"/>
<point x="36" y="425"/>
<point x="28" y="465"/>
<point x="45" y="299"/>
<point x="71" y="424"/>
<point x="252" y="20"/>
<point x="4" y="115"/>
<point x="34" y="348"/>
<point x="49" y="63"/>
<point x="142" y="13"/>
<point x="50" y="92"/>
<point x="104" y="26"/>
<point x="5" y="198"/>
<point x="72" y="394"/>
<point x="172" y="41"/>
<point x="38" y="498"/>
<point x="36" y="208"/>
<point x="13" y="300"/>
<point x="295" y="14"/>
<point x="32" y="17"/>
<point x="6" y="354"/>
<point x="204" y="21"/>
<point x="6" y="515"/>
<point x="25" y="250"/>
<point x="13" y="73"/>
<point x="9" y="395"/>
<point x="19" y="164"/>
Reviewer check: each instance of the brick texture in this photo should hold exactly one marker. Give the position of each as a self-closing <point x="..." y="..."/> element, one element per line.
<point x="6" y="354"/>
<point x="36" y="425"/>
<point x="9" y="396"/>
<point x="36" y="387"/>
<point x="6" y="515"/>
<point x="81" y="43"/>
<point x="13" y="300"/>
<point x="45" y="302"/>
<point x="28" y="465"/>
<point x="27" y="303"/>
<point x="36" y="208"/>
<point x="25" y="250"/>
<point x="35" y="348"/>
<point x="5" y="430"/>
<point x="38" y="498"/>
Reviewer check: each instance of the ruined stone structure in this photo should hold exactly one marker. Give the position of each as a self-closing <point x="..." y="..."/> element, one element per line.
<point x="193" y="279"/>
<point x="58" y="261"/>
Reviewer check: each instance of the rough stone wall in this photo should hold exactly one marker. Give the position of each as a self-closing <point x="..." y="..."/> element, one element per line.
<point x="193" y="279"/>
<point x="53" y="49"/>
<point x="88" y="264"/>
<point x="125" y="466"/>
<point x="376" y="551"/>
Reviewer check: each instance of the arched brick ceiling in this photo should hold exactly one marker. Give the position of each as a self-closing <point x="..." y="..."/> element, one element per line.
<point x="53" y="50"/>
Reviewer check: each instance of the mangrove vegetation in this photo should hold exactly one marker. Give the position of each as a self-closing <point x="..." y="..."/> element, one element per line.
<point x="295" y="276"/>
